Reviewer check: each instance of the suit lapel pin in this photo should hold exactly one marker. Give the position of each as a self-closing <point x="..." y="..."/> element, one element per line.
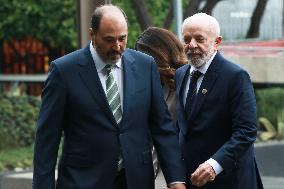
<point x="204" y="91"/>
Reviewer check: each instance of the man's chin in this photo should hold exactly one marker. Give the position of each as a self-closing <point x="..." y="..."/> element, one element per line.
<point x="196" y="64"/>
<point x="115" y="56"/>
<point x="113" y="60"/>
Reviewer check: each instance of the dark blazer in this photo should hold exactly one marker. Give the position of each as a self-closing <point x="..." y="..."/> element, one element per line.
<point x="222" y="125"/>
<point x="73" y="101"/>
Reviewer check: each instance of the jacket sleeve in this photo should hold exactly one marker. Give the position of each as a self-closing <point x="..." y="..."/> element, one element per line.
<point x="244" y="121"/>
<point x="49" y="130"/>
<point x="164" y="133"/>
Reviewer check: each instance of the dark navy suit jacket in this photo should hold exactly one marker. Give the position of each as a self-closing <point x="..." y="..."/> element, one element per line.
<point x="222" y="125"/>
<point x="73" y="101"/>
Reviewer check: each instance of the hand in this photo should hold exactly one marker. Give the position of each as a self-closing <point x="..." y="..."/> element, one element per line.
<point x="203" y="174"/>
<point x="176" y="186"/>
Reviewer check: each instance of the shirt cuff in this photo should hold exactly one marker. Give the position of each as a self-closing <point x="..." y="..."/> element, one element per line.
<point x="177" y="182"/>
<point x="215" y="165"/>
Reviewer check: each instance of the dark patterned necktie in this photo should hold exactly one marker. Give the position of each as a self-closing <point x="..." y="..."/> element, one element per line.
<point x="192" y="90"/>
<point x="112" y="94"/>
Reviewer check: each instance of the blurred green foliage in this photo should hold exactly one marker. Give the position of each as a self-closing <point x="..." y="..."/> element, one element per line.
<point x="50" y="21"/>
<point x="270" y="104"/>
<point x="20" y="157"/>
<point x="17" y="120"/>
<point x="54" y="21"/>
<point x="157" y="11"/>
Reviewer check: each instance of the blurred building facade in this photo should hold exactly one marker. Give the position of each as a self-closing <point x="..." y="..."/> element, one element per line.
<point x="234" y="17"/>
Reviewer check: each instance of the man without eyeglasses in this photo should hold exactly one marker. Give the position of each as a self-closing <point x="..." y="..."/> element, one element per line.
<point x="216" y="112"/>
<point x="108" y="102"/>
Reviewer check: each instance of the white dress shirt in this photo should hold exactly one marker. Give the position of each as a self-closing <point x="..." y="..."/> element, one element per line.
<point x="117" y="72"/>
<point x="203" y="69"/>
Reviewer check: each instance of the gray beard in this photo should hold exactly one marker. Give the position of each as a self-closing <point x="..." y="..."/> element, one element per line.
<point x="198" y="62"/>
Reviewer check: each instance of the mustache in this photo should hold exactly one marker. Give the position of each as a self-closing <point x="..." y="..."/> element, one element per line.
<point x="116" y="52"/>
<point x="194" y="51"/>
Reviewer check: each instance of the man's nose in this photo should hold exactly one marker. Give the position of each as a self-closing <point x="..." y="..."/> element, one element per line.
<point x="116" y="45"/>
<point x="192" y="44"/>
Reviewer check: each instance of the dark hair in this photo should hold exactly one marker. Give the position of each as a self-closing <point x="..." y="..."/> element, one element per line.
<point x="98" y="14"/>
<point x="166" y="49"/>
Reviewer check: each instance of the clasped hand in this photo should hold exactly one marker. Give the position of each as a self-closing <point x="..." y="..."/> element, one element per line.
<point x="203" y="174"/>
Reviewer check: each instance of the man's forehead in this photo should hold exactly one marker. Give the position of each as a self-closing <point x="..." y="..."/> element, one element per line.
<point x="112" y="32"/>
<point x="196" y="29"/>
<point x="113" y="19"/>
<point x="113" y="14"/>
<point x="110" y="35"/>
<point x="112" y="28"/>
<point x="113" y="22"/>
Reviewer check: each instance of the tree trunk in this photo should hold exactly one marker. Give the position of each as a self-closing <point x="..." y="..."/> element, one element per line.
<point x="209" y="6"/>
<point x="253" y="31"/>
<point x="192" y="8"/>
<point x="169" y="18"/>
<point x="142" y="13"/>
<point x="283" y="20"/>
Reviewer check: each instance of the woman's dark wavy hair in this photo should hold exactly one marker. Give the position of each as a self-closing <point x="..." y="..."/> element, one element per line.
<point x="166" y="49"/>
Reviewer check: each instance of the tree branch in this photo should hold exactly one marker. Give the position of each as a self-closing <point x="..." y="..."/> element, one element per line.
<point x="253" y="31"/>
<point x="209" y="6"/>
<point x="192" y="8"/>
<point x="142" y="13"/>
<point x="169" y="18"/>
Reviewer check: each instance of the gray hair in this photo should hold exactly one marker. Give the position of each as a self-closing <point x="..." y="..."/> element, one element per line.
<point x="212" y="23"/>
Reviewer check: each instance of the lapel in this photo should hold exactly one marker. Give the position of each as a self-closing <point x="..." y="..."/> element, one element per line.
<point x="207" y="84"/>
<point x="91" y="79"/>
<point x="183" y="78"/>
<point x="129" y="83"/>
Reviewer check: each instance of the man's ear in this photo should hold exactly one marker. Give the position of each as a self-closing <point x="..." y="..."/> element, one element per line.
<point x="217" y="42"/>
<point x="91" y="32"/>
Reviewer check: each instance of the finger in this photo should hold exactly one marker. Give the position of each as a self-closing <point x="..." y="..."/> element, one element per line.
<point x="208" y="174"/>
<point x="200" y="179"/>
<point x="194" y="177"/>
<point x="201" y="176"/>
<point x="198" y="172"/>
<point x="211" y="179"/>
<point x="200" y="184"/>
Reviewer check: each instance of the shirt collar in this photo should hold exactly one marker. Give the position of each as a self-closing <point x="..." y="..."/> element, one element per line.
<point x="99" y="63"/>
<point x="203" y="69"/>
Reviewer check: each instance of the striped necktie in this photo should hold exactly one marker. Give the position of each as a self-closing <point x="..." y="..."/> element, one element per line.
<point x="113" y="99"/>
<point x="112" y="94"/>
